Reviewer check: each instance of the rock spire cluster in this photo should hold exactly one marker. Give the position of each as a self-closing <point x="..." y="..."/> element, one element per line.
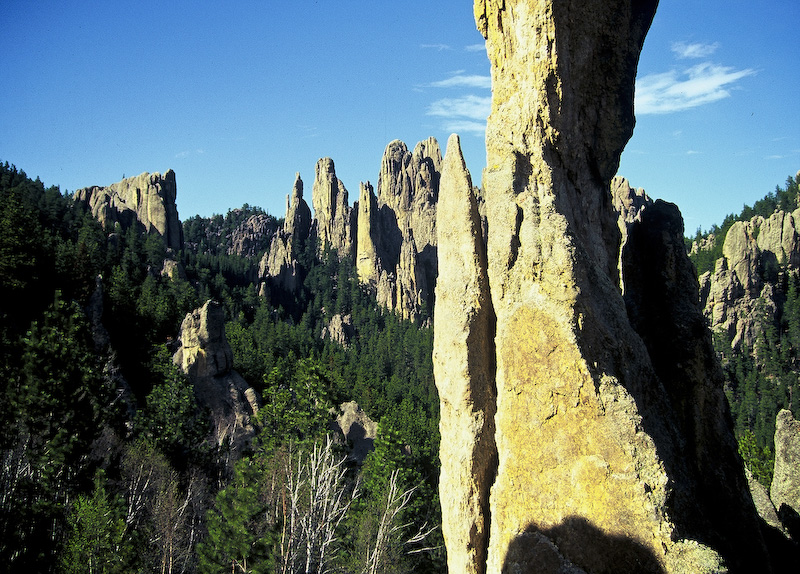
<point x="391" y="235"/>
<point x="584" y="426"/>
<point x="147" y="200"/>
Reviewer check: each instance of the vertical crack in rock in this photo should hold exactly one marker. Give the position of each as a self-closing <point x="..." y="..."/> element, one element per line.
<point x="463" y="350"/>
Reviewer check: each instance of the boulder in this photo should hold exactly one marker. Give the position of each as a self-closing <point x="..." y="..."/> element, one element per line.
<point x="357" y="429"/>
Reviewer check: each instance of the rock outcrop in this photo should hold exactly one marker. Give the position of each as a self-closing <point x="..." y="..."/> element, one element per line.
<point x="147" y="201"/>
<point x="464" y="369"/>
<point x="339" y="329"/>
<point x="612" y="436"/>
<point x="785" y="488"/>
<point x="739" y="296"/>
<point x="205" y="356"/>
<point x="391" y="236"/>
<point x="252" y="236"/>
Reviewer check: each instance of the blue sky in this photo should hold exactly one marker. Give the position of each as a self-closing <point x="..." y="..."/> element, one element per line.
<point x="238" y="97"/>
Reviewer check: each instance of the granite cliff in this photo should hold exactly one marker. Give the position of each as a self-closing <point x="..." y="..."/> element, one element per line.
<point x="584" y="425"/>
<point x="147" y="201"/>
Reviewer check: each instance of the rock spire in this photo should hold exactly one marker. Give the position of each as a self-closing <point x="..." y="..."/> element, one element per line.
<point x="332" y="212"/>
<point x="613" y="442"/>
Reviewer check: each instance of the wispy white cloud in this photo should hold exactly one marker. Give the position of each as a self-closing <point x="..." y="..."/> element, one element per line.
<point x="437" y="47"/>
<point x="460" y="80"/>
<point x="465" y="114"/>
<point x="187" y="153"/>
<point x="475" y="48"/>
<point x="685" y="50"/>
<point x="675" y="90"/>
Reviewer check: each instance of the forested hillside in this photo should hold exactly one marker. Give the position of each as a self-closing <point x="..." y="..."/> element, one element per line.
<point x="107" y="464"/>
<point x="762" y="368"/>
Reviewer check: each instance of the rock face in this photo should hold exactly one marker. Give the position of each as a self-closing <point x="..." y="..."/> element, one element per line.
<point x="147" y="200"/>
<point x="785" y="488"/>
<point x="740" y="292"/>
<point x="612" y="437"/>
<point x="464" y="369"/>
<point x="357" y="429"/>
<point x="206" y="357"/>
<point x="339" y="329"/>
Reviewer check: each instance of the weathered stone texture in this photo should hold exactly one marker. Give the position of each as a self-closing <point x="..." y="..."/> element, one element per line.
<point x="403" y="228"/>
<point x="147" y="200"/>
<point x="358" y="430"/>
<point x="252" y="236"/>
<point x="613" y="440"/>
<point x="739" y="295"/>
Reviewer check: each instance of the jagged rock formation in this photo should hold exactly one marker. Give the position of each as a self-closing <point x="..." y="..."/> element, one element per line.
<point x="333" y="214"/>
<point x="464" y="369"/>
<point x="785" y="488"/>
<point x="366" y="235"/>
<point x="147" y="200"/>
<point x="613" y="441"/>
<point x="740" y="294"/>
<point x="206" y="357"/>
<point x="761" y="499"/>
<point x="279" y="266"/>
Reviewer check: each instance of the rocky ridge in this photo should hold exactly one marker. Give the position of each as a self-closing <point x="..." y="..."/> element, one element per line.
<point x="611" y="447"/>
<point x="147" y="200"/>
<point x="279" y="268"/>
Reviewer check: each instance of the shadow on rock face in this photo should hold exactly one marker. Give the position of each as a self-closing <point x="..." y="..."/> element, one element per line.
<point x="576" y="546"/>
